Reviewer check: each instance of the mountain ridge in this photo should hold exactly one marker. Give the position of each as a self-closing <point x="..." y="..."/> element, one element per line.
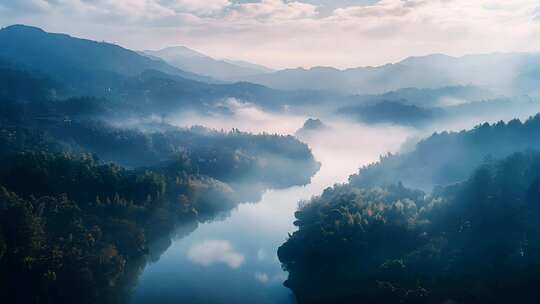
<point x="191" y="60"/>
<point x="511" y="72"/>
<point x="47" y="52"/>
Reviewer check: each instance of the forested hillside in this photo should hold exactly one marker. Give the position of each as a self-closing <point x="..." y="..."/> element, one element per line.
<point x="450" y="157"/>
<point x="83" y="201"/>
<point x="472" y="242"/>
<point x="71" y="67"/>
<point x="73" y="225"/>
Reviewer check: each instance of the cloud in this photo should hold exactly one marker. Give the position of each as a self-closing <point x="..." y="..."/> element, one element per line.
<point x="210" y="252"/>
<point x="261" y="254"/>
<point x="272" y="10"/>
<point x="384" y="8"/>
<point x="262" y="277"/>
<point x="28" y="6"/>
<point x="284" y="33"/>
<point x="206" y="7"/>
<point x="240" y="115"/>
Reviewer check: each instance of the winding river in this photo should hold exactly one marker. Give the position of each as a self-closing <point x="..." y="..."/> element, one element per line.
<point x="234" y="260"/>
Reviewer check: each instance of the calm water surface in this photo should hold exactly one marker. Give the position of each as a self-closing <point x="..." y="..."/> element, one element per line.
<point x="234" y="260"/>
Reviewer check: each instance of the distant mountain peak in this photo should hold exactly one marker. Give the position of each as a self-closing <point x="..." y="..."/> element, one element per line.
<point x="426" y="58"/>
<point x="62" y="56"/>
<point x="178" y="50"/>
<point x="324" y="69"/>
<point x="249" y="65"/>
<point x="190" y="60"/>
<point x="22" y="27"/>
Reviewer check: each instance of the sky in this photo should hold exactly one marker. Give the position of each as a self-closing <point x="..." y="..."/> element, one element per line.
<point x="288" y="34"/>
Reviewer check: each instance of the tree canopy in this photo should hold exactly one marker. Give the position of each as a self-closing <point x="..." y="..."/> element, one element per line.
<point x="472" y="242"/>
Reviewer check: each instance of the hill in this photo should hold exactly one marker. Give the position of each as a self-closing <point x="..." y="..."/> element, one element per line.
<point x="193" y="61"/>
<point x="510" y="73"/>
<point x="76" y="61"/>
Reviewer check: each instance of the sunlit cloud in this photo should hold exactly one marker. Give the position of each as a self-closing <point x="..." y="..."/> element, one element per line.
<point x="272" y="10"/>
<point x="211" y="252"/>
<point x="283" y="33"/>
<point x="196" y="6"/>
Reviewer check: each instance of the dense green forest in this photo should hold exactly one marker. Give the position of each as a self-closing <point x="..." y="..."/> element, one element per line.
<point x="449" y="157"/>
<point x="471" y="242"/>
<point x="231" y="156"/>
<point x="74" y="223"/>
<point x="94" y="183"/>
<point x="86" y="201"/>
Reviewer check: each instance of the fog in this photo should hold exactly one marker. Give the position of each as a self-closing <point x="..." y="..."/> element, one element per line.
<point x="254" y="231"/>
<point x="128" y="178"/>
<point x="236" y="256"/>
<point x="469" y="117"/>
<point x="232" y="113"/>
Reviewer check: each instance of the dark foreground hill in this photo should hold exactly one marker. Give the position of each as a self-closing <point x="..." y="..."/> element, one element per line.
<point x="473" y="242"/>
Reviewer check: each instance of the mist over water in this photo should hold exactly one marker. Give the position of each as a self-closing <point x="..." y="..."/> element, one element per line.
<point x="232" y="113"/>
<point x="236" y="257"/>
<point x="171" y="176"/>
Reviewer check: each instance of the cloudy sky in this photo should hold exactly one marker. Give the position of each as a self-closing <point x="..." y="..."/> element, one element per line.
<point x="281" y="33"/>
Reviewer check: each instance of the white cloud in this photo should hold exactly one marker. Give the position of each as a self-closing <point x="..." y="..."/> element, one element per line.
<point x="284" y="33"/>
<point x="243" y="116"/>
<point x="262" y="277"/>
<point x="205" y="7"/>
<point x="272" y="10"/>
<point x="382" y="9"/>
<point x="26" y="5"/>
<point x="261" y="254"/>
<point x="210" y="252"/>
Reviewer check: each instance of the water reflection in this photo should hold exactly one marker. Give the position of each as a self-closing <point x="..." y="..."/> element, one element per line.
<point x="234" y="260"/>
<point x="210" y="252"/>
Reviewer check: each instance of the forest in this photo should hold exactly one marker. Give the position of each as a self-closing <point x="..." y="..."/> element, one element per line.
<point x="468" y="236"/>
<point x="171" y="176"/>
<point x="449" y="157"/>
<point x="86" y="201"/>
<point x="470" y="242"/>
<point x="82" y="200"/>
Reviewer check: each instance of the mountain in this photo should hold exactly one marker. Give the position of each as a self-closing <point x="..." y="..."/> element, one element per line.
<point x="449" y="157"/>
<point x="76" y="61"/>
<point x="464" y="243"/>
<point x="311" y="126"/>
<point x="193" y="61"/>
<point x="509" y="73"/>
<point x="253" y="66"/>
<point x="161" y="93"/>
<point x="393" y="112"/>
<point x="60" y="66"/>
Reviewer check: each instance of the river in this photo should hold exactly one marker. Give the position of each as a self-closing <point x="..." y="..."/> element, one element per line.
<point x="234" y="260"/>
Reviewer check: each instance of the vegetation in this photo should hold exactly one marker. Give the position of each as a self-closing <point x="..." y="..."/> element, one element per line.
<point x="310" y="127"/>
<point x="233" y="156"/>
<point x="450" y="157"/>
<point x="135" y="83"/>
<point x="472" y="242"/>
<point x="71" y="228"/>
<point x="393" y="112"/>
<point x="84" y="203"/>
